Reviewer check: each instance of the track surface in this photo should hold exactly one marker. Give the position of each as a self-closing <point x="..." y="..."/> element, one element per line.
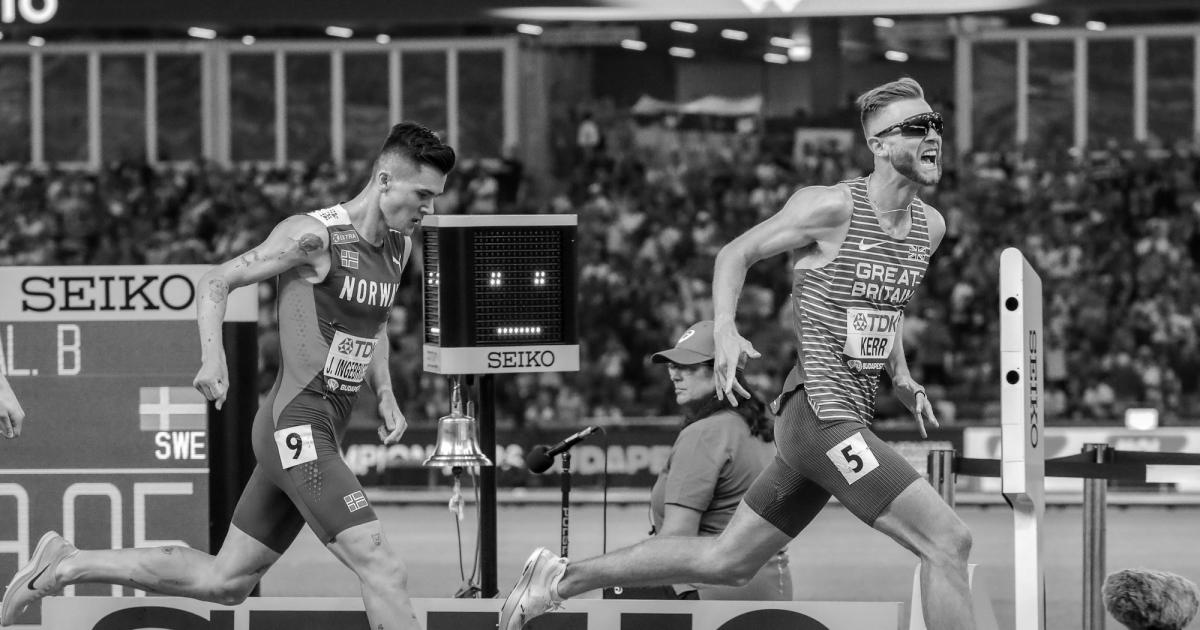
<point x="832" y="560"/>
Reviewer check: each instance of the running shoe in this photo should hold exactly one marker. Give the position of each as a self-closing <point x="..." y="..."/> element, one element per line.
<point x="536" y="591"/>
<point x="37" y="578"/>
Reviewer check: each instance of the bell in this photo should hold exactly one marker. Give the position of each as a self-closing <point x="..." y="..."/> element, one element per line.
<point x="458" y="438"/>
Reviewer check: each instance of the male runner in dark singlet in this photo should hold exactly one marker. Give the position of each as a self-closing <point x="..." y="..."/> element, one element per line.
<point x="338" y="271"/>
<point x="862" y="249"/>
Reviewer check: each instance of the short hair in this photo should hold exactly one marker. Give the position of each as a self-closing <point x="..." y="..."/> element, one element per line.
<point x="1144" y="599"/>
<point x="418" y="143"/>
<point x="878" y="97"/>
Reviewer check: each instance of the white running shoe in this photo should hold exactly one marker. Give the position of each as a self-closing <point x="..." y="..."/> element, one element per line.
<point x="37" y="578"/>
<point x="536" y="591"/>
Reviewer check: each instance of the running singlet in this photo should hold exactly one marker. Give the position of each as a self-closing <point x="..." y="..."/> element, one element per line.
<point x="848" y="312"/>
<point x="328" y="331"/>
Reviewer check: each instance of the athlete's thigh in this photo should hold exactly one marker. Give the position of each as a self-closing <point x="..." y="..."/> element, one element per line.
<point x="750" y="537"/>
<point x="845" y="458"/>
<point x="919" y="517"/>
<point x="243" y="555"/>
<point x="785" y="498"/>
<point x="265" y="513"/>
<point x="363" y="548"/>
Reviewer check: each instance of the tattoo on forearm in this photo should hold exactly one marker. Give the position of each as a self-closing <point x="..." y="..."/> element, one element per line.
<point x="217" y="290"/>
<point x="249" y="258"/>
<point x="310" y="243"/>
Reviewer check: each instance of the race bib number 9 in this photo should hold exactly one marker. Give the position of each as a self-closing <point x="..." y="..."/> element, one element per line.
<point x="295" y="446"/>
<point x="869" y="337"/>
<point x="349" y="357"/>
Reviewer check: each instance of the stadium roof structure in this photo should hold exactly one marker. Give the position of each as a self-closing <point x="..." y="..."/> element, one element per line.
<point x="98" y="16"/>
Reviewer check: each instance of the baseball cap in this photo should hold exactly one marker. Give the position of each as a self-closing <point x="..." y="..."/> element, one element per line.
<point x="695" y="345"/>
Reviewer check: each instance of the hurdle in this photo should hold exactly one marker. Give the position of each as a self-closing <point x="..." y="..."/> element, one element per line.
<point x="1023" y="466"/>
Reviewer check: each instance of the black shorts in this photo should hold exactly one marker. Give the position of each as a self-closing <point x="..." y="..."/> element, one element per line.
<point x="819" y="458"/>
<point x="316" y="487"/>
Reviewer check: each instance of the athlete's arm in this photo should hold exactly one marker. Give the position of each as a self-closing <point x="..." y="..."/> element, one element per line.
<point x="910" y="393"/>
<point x="298" y="241"/>
<point x="11" y="414"/>
<point x="679" y="521"/>
<point x="810" y="216"/>
<point x="380" y="376"/>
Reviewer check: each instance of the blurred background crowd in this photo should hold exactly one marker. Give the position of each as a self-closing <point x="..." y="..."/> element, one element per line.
<point x="1112" y="233"/>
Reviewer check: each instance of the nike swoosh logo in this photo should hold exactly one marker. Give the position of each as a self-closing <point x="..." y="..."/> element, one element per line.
<point x="864" y="246"/>
<point x="29" y="584"/>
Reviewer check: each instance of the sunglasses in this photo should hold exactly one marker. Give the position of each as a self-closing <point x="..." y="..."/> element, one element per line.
<point x="916" y="126"/>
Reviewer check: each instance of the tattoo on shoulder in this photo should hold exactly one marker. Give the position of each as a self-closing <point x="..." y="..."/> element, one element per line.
<point x="377" y="539"/>
<point x="310" y="243"/>
<point x="218" y="289"/>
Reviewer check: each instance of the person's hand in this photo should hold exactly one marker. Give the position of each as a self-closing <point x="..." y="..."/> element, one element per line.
<point x="915" y="399"/>
<point x="11" y="414"/>
<point x="730" y="347"/>
<point x="213" y="380"/>
<point x="394" y="424"/>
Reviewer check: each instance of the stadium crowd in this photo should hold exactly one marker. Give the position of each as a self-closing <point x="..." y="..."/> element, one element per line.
<point x="1113" y="235"/>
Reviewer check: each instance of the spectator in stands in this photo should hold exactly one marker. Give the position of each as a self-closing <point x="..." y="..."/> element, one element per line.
<point x="1145" y="599"/>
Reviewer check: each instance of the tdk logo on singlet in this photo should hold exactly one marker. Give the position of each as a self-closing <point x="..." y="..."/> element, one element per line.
<point x="884" y="283"/>
<point x="369" y="292"/>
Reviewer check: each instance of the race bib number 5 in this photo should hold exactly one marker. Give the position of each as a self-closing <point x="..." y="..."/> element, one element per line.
<point x="295" y="446"/>
<point x="853" y="458"/>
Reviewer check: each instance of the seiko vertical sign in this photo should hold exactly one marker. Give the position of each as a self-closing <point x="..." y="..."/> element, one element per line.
<point x="32" y="11"/>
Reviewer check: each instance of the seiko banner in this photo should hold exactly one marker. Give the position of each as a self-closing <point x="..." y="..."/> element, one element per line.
<point x="324" y="613"/>
<point x="114" y="293"/>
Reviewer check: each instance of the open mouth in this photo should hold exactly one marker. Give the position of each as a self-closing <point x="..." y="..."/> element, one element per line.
<point x="929" y="157"/>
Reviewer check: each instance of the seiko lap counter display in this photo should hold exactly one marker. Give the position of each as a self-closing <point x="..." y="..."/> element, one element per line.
<point x="500" y="294"/>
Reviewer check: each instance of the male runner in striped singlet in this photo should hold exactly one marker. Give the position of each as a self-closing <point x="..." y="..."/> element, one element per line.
<point x="862" y="248"/>
<point x="338" y="272"/>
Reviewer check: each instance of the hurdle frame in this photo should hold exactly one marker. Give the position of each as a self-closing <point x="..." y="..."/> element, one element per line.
<point x="1022" y="422"/>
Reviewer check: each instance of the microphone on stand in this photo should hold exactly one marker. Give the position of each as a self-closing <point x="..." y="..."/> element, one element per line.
<point x="541" y="457"/>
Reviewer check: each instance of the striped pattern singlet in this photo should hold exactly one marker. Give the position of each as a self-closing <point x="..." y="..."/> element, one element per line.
<point x="847" y="312"/>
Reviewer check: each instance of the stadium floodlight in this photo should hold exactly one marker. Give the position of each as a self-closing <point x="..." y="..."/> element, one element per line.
<point x="783" y="42"/>
<point x="679" y="51"/>
<point x="1095" y="25"/>
<point x="383" y="38"/>
<point x="896" y="55"/>
<point x="248" y="40"/>
<point x="800" y="52"/>
<point x="339" y="31"/>
<point x="734" y="34"/>
<point x="1045" y="18"/>
<point x="884" y="22"/>
<point x="633" y="44"/>
<point x="775" y="58"/>
<point x="529" y="29"/>
<point x="684" y="27"/>
<point x="200" y="32"/>
<point x="37" y="41"/>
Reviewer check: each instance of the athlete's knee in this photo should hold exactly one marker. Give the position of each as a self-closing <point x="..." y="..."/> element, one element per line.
<point x="231" y="592"/>
<point x="385" y="569"/>
<point x="726" y="565"/>
<point x="953" y="543"/>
